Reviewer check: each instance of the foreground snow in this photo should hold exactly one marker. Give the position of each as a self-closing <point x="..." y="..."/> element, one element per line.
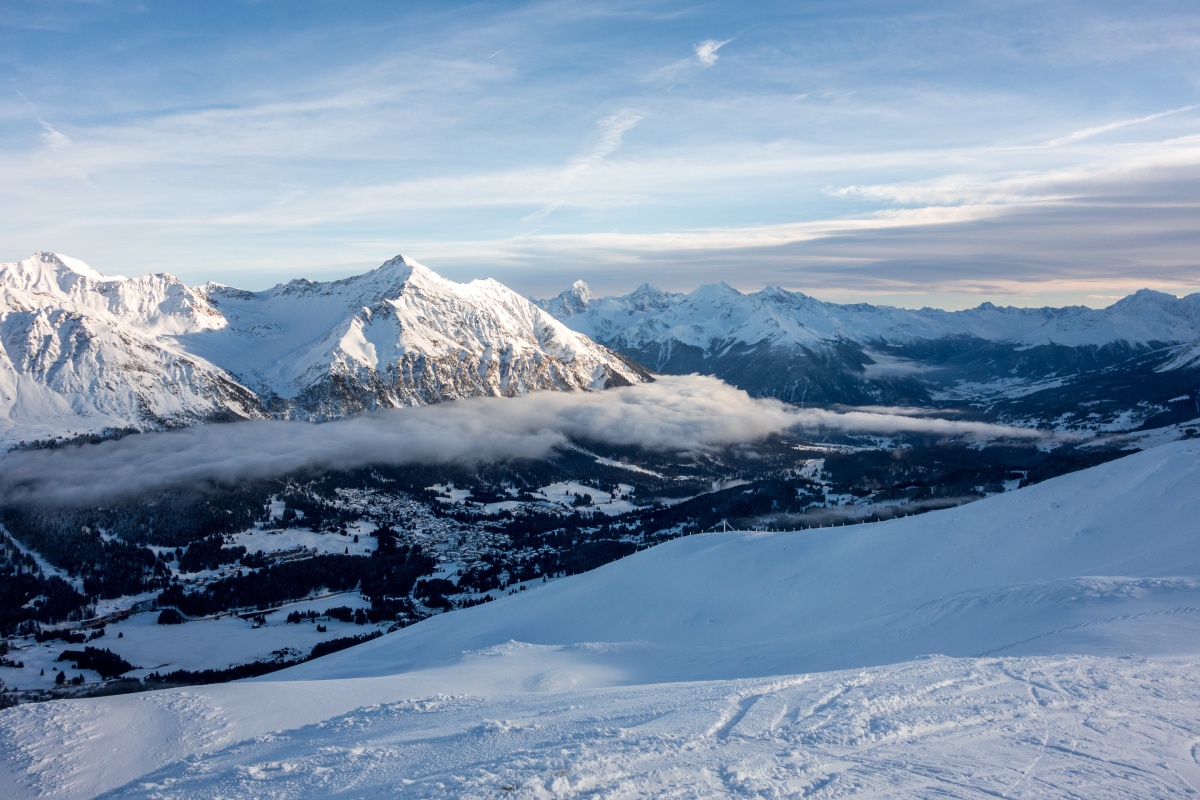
<point x="667" y="673"/>
<point x="1035" y="727"/>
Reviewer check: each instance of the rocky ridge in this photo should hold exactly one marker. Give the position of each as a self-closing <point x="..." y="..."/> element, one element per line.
<point x="81" y="352"/>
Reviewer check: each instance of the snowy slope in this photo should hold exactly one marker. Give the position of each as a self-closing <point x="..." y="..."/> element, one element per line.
<point x="1186" y="357"/>
<point x="587" y="687"/>
<point x="1056" y="567"/>
<point x="80" y="352"/>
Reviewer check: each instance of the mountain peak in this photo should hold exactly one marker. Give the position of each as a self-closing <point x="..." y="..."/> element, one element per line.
<point x="714" y="292"/>
<point x="400" y="270"/>
<point x="577" y="297"/>
<point x="58" y="263"/>
<point x="569" y="302"/>
<point x="778" y="294"/>
<point x="1146" y="297"/>
<point x="401" y="263"/>
<point x="647" y="290"/>
<point x="648" y="297"/>
<point x="384" y="282"/>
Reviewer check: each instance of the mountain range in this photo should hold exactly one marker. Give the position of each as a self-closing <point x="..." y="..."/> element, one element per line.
<point x="1126" y="364"/>
<point x="81" y="352"/>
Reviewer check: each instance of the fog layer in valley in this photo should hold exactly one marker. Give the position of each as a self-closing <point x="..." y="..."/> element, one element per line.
<point x="674" y="413"/>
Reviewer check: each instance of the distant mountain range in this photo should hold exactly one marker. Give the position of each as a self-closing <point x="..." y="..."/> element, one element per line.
<point x="81" y="352"/>
<point x="1122" y="366"/>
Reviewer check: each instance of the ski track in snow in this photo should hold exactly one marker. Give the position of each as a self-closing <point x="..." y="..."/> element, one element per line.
<point x="938" y="727"/>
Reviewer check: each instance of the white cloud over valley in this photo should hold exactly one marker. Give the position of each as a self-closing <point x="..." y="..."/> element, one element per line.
<point x="675" y="413"/>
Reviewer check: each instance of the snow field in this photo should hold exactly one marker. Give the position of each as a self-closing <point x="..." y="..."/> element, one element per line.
<point x="973" y="728"/>
<point x="275" y="541"/>
<point x="197" y="645"/>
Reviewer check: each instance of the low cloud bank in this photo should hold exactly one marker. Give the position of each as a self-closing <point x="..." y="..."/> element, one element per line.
<point x="902" y="411"/>
<point x="906" y="422"/>
<point x="674" y="413"/>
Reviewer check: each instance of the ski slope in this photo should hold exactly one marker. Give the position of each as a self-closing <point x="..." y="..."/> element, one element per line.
<point x="1065" y="616"/>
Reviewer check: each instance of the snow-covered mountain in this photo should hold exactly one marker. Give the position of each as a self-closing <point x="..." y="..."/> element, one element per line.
<point x="1065" y="616"/>
<point x="795" y="347"/>
<point x="80" y="351"/>
<point x="717" y="315"/>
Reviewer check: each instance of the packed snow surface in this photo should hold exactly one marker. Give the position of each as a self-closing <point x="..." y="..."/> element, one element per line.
<point x="1066" y="617"/>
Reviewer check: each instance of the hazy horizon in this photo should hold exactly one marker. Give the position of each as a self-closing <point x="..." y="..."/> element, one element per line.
<point x="550" y="294"/>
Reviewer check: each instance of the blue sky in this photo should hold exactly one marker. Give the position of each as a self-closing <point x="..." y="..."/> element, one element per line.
<point x="919" y="153"/>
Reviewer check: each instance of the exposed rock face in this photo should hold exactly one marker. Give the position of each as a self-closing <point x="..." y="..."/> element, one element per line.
<point x="80" y="351"/>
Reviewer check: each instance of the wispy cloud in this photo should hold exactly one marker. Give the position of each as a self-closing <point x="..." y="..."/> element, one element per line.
<point x="1097" y="130"/>
<point x="54" y="139"/>
<point x="905" y="422"/>
<point x="706" y="51"/>
<point x="612" y="133"/>
<point x="704" y="55"/>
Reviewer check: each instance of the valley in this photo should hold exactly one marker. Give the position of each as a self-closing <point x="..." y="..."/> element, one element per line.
<point x="386" y="547"/>
<point x="974" y="651"/>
